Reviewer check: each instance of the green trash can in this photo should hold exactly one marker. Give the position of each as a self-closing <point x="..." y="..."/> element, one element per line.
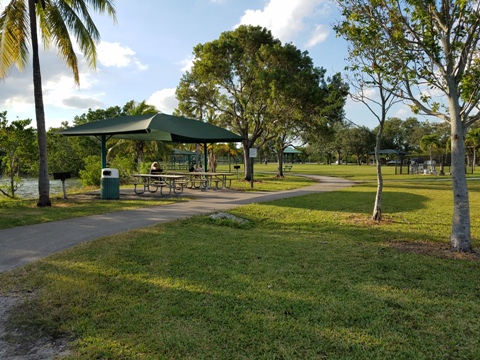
<point x="110" y="184"/>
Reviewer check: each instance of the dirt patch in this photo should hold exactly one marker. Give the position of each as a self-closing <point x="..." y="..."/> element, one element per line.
<point x="357" y="219"/>
<point x="17" y="346"/>
<point x="433" y="249"/>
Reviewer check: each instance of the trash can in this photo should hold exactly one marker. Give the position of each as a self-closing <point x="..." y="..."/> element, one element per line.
<point x="109" y="184"/>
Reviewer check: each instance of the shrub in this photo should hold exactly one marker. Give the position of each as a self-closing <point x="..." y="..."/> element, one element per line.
<point x="90" y="176"/>
<point x="126" y="167"/>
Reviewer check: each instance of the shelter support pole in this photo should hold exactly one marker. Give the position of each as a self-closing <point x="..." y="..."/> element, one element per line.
<point x="205" y="157"/>
<point x="104" y="151"/>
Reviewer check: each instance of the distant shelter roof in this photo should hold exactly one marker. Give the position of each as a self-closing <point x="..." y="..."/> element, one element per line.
<point x="291" y="150"/>
<point x="390" y="152"/>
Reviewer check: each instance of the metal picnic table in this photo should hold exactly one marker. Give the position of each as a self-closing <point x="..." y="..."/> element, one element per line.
<point x="205" y="180"/>
<point x="153" y="182"/>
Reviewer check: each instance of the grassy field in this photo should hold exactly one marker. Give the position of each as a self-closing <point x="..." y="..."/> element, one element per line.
<point x="20" y="212"/>
<point x="25" y="211"/>
<point x="307" y="278"/>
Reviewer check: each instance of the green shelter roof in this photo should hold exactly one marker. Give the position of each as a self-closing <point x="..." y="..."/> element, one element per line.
<point x="291" y="150"/>
<point x="160" y="127"/>
<point x="390" y="152"/>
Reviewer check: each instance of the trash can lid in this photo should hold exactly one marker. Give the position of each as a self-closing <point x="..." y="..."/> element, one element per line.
<point x="109" y="172"/>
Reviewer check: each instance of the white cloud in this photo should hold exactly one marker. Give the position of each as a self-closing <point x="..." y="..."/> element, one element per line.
<point x="82" y="102"/>
<point x="164" y="100"/>
<point x="18" y="103"/>
<point x="116" y="55"/>
<point x="187" y="64"/>
<point x="366" y="93"/>
<point x="403" y="112"/>
<point x="60" y="91"/>
<point x="284" y="18"/>
<point x="319" y="35"/>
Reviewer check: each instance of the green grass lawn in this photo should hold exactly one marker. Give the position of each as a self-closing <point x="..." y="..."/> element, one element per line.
<point x="25" y="211"/>
<point x="309" y="278"/>
<point x="20" y="212"/>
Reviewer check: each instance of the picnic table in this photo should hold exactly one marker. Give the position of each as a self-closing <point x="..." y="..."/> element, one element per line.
<point x="153" y="182"/>
<point x="206" y="180"/>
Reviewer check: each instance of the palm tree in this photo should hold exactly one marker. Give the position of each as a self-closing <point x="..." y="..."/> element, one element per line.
<point x="57" y="20"/>
<point x="473" y="140"/>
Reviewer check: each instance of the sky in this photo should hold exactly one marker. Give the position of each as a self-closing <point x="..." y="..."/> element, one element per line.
<point x="144" y="55"/>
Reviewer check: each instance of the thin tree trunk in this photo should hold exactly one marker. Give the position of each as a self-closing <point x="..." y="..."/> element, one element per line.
<point x="377" y="208"/>
<point x="43" y="179"/>
<point x="460" y="239"/>
<point x="280" y="164"/>
<point x="474" y="158"/>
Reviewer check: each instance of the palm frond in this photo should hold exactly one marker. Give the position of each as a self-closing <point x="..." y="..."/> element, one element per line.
<point x="14" y="37"/>
<point x="54" y="26"/>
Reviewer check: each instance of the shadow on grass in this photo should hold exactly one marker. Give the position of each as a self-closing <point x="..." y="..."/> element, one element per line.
<point x="355" y="202"/>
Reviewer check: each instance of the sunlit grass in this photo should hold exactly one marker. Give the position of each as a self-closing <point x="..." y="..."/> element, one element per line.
<point x="25" y="212"/>
<point x="19" y="212"/>
<point x="355" y="172"/>
<point x="269" y="182"/>
<point x="312" y="277"/>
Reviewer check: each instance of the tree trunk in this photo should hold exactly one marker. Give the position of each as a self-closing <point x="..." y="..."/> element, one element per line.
<point x="377" y="208"/>
<point x="460" y="236"/>
<point x="212" y="161"/>
<point x="474" y="158"/>
<point x="280" y="164"/>
<point x="247" y="161"/>
<point x="43" y="179"/>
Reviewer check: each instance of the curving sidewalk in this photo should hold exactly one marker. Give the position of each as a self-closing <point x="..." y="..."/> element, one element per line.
<point x="22" y="245"/>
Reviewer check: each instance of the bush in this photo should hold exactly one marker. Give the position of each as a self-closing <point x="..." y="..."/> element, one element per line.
<point x="126" y="167"/>
<point x="90" y="176"/>
<point x="145" y="168"/>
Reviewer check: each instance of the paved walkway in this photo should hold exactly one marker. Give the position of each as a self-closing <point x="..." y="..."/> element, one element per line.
<point x="25" y="244"/>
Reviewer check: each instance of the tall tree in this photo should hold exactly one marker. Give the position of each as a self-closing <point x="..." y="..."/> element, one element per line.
<point x="294" y="91"/>
<point x="359" y="141"/>
<point x="250" y="83"/>
<point x="17" y="140"/>
<point x="366" y="75"/>
<point x="430" y="143"/>
<point x="329" y="115"/>
<point x="58" y="22"/>
<point x="429" y="44"/>
<point x="473" y="141"/>
<point x="225" y="84"/>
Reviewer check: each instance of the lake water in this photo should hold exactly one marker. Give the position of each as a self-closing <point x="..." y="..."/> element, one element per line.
<point x="29" y="187"/>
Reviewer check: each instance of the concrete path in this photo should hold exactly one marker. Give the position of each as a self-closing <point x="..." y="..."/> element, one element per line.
<point x="25" y="244"/>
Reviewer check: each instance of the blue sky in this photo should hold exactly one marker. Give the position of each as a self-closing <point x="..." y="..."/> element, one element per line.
<point x="144" y="55"/>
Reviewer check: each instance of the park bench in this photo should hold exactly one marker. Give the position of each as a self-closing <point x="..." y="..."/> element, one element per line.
<point x="287" y="167"/>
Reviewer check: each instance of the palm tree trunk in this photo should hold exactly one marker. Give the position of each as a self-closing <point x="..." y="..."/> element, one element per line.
<point x="43" y="180"/>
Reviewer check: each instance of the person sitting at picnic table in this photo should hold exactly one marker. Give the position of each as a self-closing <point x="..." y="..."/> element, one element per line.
<point x="192" y="168"/>
<point x="199" y="168"/>
<point x="154" y="168"/>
